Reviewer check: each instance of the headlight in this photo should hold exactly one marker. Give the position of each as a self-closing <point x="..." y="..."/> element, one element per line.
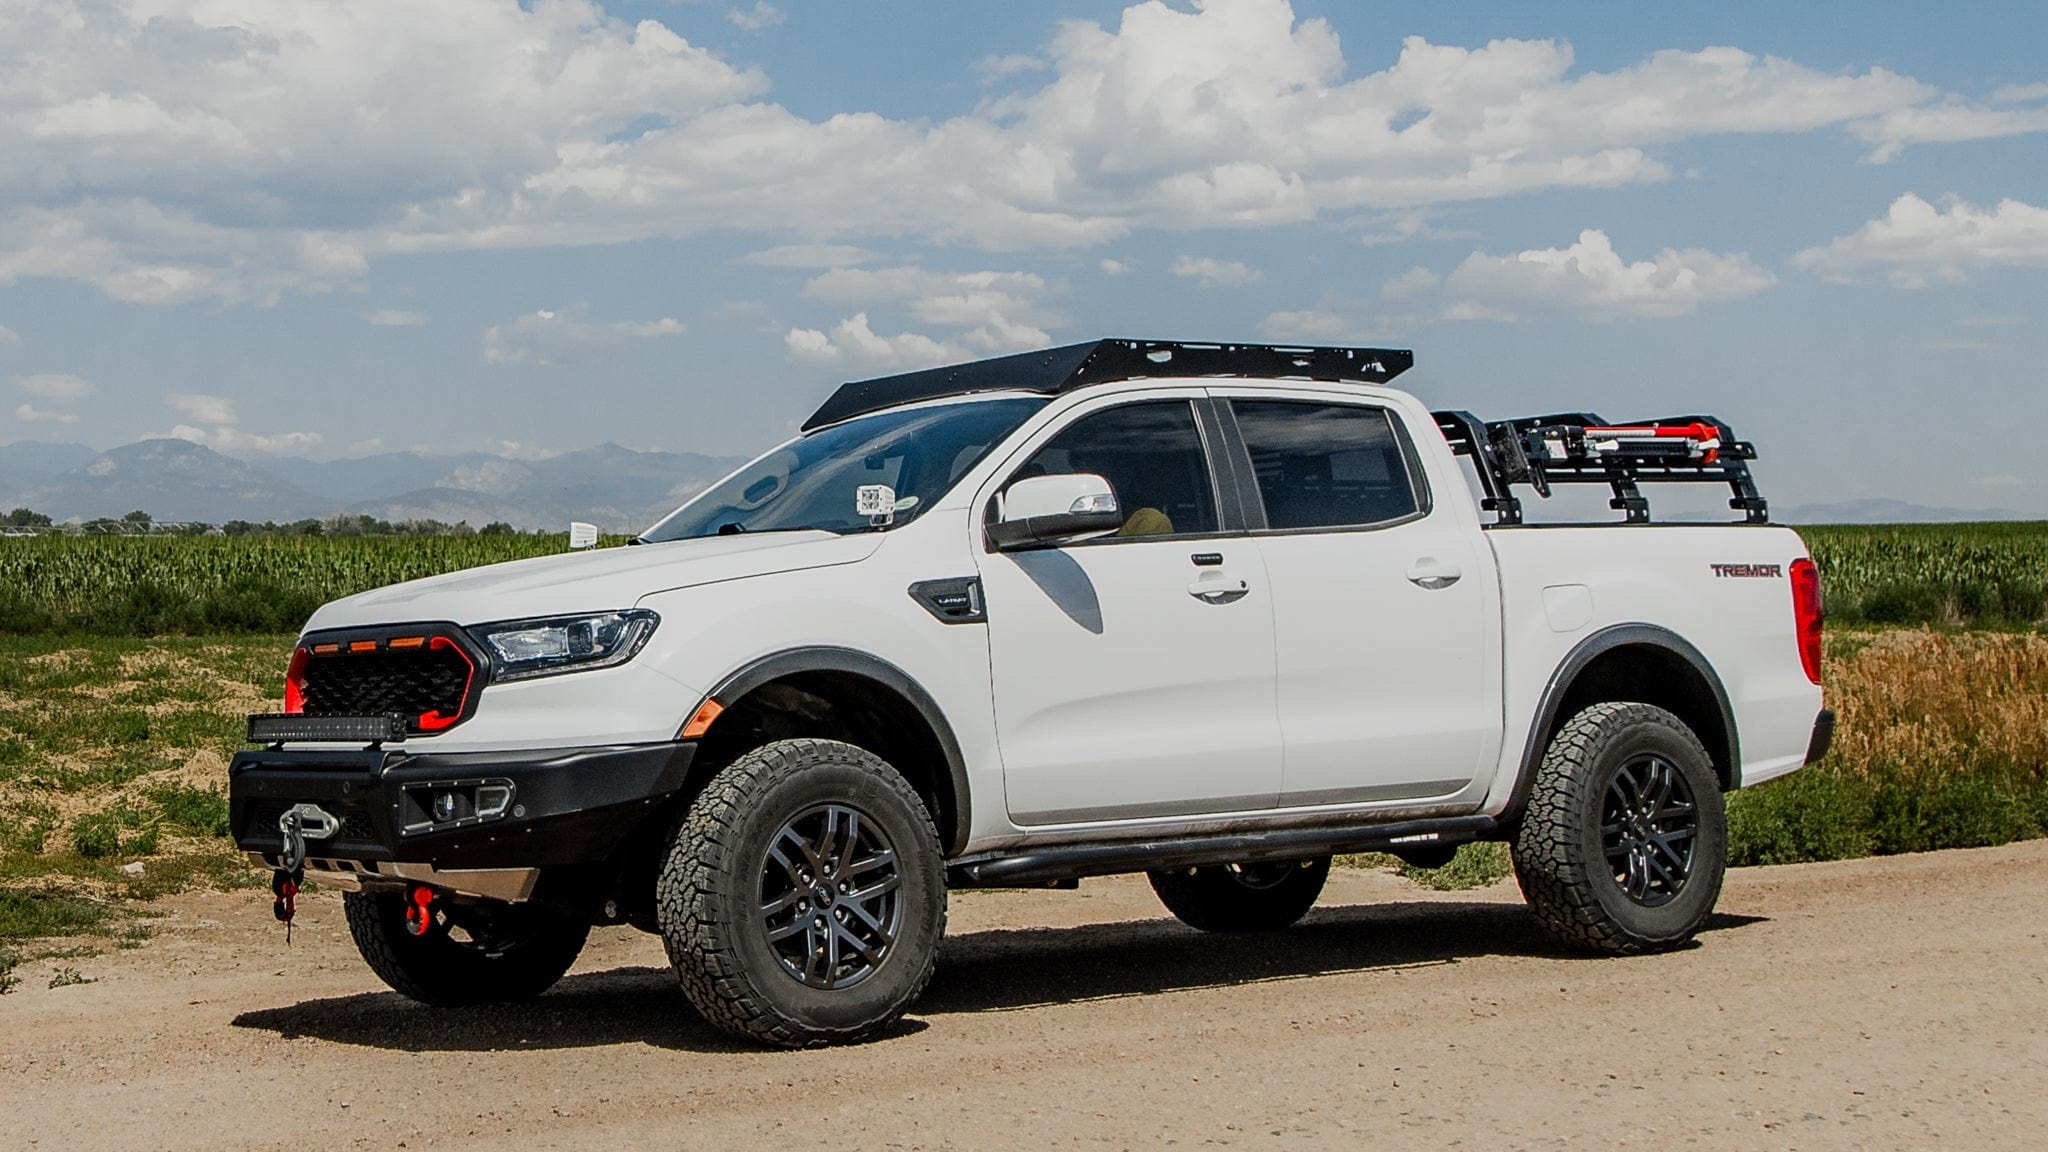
<point x="523" y="649"/>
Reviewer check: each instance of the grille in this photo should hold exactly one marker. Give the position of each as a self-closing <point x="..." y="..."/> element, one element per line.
<point x="411" y="682"/>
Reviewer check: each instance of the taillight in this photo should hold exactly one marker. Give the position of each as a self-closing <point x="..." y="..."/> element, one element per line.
<point x="295" y="683"/>
<point x="1806" y="615"/>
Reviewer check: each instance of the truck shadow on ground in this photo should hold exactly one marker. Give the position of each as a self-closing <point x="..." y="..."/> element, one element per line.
<point x="991" y="971"/>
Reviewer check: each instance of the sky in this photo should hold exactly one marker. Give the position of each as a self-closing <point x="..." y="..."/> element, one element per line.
<point x="329" y="229"/>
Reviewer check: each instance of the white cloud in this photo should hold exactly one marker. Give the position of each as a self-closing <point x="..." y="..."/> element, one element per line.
<point x="1414" y="282"/>
<point x="808" y="256"/>
<point x="994" y="68"/>
<point x="559" y="336"/>
<point x="1952" y="120"/>
<point x="9" y="335"/>
<point x="366" y="446"/>
<point x="202" y="408"/>
<point x="1115" y="267"/>
<point x="1591" y="279"/>
<point x="232" y="440"/>
<point x="394" y="318"/>
<point x="852" y="342"/>
<point x="1212" y="273"/>
<point x="30" y="414"/>
<point x="60" y="386"/>
<point x="219" y="431"/>
<point x="761" y="15"/>
<point x="2020" y="93"/>
<point x="1915" y="242"/>
<point x="1000" y="310"/>
<point x="169" y="141"/>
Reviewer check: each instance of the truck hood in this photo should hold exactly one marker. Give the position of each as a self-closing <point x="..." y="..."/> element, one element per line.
<point x="590" y="581"/>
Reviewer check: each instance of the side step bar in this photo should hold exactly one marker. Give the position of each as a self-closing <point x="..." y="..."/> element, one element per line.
<point x="1029" y="866"/>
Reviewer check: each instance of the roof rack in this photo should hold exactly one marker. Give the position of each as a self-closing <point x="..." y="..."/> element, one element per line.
<point x="1581" y="448"/>
<point x="1063" y="369"/>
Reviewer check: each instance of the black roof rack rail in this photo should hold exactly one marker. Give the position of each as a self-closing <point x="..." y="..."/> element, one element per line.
<point x="1581" y="448"/>
<point x="1063" y="369"/>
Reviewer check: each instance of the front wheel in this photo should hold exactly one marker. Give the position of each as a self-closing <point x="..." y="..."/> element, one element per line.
<point x="1625" y="839"/>
<point x="1262" y="897"/>
<point x="804" y="896"/>
<point x="482" y="953"/>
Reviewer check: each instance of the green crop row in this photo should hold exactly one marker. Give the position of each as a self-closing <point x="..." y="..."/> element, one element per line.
<point x="1946" y="574"/>
<point x="167" y="585"/>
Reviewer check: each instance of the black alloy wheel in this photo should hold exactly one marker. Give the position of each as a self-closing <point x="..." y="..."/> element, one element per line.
<point x="831" y="900"/>
<point x="804" y="895"/>
<point x="1624" y="841"/>
<point x="1648" y="828"/>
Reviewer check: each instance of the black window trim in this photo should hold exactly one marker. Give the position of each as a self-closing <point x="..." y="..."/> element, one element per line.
<point x="1254" y="501"/>
<point x="1226" y="489"/>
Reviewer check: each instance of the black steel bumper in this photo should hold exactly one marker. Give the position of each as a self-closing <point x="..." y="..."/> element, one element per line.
<point x="567" y="806"/>
<point x="1823" y="735"/>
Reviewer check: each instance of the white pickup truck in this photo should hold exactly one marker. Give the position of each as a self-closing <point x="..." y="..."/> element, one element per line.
<point x="1211" y="612"/>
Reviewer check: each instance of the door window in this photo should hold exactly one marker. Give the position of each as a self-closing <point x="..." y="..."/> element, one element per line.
<point x="1325" y="465"/>
<point x="1151" y="454"/>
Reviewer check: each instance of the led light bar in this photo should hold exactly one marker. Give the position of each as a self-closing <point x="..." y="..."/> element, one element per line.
<point x="278" y="727"/>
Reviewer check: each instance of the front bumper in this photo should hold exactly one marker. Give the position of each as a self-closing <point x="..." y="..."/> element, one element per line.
<point x="570" y="806"/>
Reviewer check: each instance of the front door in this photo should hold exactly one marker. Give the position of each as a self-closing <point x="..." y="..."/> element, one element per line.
<point x="1134" y="673"/>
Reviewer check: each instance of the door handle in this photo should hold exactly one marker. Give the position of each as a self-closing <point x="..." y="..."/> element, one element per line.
<point x="1433" y="574"/>
<point x="1219" y="591"/>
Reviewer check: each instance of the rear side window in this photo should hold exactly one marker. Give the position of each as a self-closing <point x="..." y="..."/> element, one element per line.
<point x="1151" y="454"/>
<point x="1326" y="465"/>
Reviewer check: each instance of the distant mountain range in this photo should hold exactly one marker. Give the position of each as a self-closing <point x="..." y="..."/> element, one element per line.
<point x="1888" y="512"/>
<point x="616" y="488"/>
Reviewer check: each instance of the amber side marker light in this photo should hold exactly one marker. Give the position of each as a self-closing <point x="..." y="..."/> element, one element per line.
<point x="362" y="645"/>
<point x="409" y="642"/>
<point x="700" y="722"/>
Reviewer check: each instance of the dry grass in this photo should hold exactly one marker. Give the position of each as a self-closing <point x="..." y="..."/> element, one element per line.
<point x="1925" y="701"/>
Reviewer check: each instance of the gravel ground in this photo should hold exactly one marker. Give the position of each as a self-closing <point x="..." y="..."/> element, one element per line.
<point x="1882" y="1004"/>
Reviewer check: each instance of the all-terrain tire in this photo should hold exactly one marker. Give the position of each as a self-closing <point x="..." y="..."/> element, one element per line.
<point x="1562" y="854"/>
<point x="1242" y="897"/>
<point x="736" y="855"/>
<point x="515" y="951"/>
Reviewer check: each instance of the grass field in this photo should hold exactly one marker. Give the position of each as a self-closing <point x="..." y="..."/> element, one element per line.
<point x="1971" y="575"/>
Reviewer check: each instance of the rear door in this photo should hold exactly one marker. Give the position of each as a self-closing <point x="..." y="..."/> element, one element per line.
<point x="1133" y="673"/>
<point x="1385" y="624"/>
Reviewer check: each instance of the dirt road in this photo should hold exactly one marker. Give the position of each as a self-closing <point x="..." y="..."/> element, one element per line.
<point x="1879" y="1004"/>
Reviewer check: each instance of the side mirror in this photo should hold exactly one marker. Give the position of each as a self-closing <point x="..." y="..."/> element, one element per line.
<point x="1042" y="511"/>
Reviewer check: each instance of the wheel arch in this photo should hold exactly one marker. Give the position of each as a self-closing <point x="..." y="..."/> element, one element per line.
<point x="1633" y="663"/>
<point x="845" y="694"/>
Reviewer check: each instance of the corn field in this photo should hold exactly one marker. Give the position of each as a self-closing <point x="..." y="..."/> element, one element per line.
<point x="1943" y="574"/>
<point x="1952" y="574"/>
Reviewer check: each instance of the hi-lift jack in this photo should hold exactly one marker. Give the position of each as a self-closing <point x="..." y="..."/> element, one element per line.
<point x="1581" y="448"/>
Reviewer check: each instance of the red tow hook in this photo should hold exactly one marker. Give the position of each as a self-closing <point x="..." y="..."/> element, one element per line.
<point x="419" y="910"/>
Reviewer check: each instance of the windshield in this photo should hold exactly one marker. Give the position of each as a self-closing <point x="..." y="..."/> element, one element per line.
<point x="814" y="481"/>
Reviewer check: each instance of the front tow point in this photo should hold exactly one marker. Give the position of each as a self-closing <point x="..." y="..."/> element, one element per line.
<point x="419" y="910"/>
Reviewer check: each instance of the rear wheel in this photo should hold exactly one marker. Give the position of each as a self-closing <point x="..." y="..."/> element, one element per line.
<point x="804" y="896"/>
<point x="481" y="953"/>
<point x="1625" y="839"/>
<point x="1261" y="897"/>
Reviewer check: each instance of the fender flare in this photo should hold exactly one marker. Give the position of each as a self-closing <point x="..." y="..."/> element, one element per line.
<point x="776" y="665"/>
<point x="1584" y="653"/>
